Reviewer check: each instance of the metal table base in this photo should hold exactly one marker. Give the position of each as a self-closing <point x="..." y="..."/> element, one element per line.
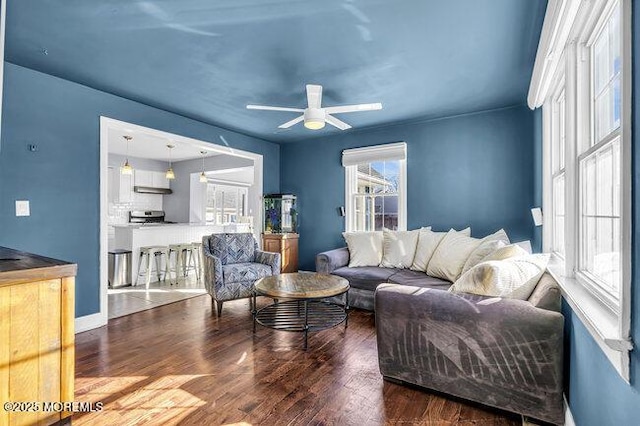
<point x="301" y="315"/>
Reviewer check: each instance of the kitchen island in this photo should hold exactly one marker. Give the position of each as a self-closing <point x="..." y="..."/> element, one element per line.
<point x="135" y="235"/>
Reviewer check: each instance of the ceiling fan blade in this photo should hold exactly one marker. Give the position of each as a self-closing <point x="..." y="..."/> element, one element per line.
<point x="353" y="108"/>
<point x="291" y="123"/>
<point x="273" y="108"/>
<point x="336" y="123"/>
<point x="314" y="95"/>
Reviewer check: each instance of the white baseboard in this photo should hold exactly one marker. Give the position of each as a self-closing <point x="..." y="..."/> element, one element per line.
<point x="568" y="417"/>
<point x="89" y="322"/>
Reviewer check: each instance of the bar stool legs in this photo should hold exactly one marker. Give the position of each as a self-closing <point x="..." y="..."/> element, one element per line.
<point x="145" y="256"/>
<point x="183" y="259"/>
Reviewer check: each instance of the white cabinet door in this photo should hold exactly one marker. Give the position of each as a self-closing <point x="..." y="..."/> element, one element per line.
<point x="143" y="178"/>
<point x="159" y="180"/>
<point x="125" y="188"/>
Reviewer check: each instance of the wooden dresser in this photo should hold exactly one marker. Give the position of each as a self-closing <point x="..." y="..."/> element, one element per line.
<point x="36" y="334"/>
<point x="286" y="245"/>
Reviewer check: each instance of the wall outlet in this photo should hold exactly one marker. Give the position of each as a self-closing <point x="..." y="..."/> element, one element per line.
<point x="22" y="208"/>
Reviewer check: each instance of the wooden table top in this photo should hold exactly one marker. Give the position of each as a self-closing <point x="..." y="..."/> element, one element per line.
<point x="21" y="267"/>
<point x="301" y="286"/>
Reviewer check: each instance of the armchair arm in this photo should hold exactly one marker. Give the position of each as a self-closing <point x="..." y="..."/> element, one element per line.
<point x="504" y="353"/>
<point x="213" y="279"/>
<point x="268" y="258"/>
<point x="329" y="261"/>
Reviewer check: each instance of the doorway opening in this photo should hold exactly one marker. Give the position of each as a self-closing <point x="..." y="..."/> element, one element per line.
<point x="216" y="189"/>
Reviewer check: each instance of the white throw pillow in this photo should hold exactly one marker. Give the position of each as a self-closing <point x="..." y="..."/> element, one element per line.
<point x="365" y="248"/>
<point x="487" y="245"/>
<point x="428" y="241"/>
<point x="450" y="255"/>
<point x="506" y="252"/>
<point x="398" y="248"/>
<point x="513" y="278"/>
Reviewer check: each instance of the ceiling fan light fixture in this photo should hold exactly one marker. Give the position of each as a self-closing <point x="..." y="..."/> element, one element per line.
<point x="314" y="118"/>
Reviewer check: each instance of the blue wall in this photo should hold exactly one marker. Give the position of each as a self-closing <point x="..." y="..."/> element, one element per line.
<point x="62" y="179"/>
<point x="597" y="394"/>
<point x="475" y="170"/>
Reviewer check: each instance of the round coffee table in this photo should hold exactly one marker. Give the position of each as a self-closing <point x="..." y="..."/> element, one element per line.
<point x="300" y="302"/>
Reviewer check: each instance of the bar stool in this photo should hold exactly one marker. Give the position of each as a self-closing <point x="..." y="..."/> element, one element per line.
<point x="184" y="260"/>
<point x="197" y="248"/>
<point x="145" y="255"/>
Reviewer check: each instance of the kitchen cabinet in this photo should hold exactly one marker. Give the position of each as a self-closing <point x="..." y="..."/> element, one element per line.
<point x="120" y="187"/>
<point x="286" y="245"/>
<point x="143" y="178"/>
<point x="151" y="179"/>
<point x="37" y="333"/>
<point x="159" y="180"/>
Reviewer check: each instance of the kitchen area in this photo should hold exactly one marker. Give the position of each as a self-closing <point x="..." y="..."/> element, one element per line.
<point x="163" y="196"/>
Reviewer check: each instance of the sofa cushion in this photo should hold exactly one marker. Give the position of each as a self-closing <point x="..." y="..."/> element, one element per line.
<point x="513" y="278"/>
<point x="428" y="241"/>
<point x="365" y="277"/>
<point x="450" y="255"/>
<point x="365" y="248"/>
<point x="398" y="248"/>
<point x="417" y="279"/>
<point x="237" y="272"/>
<point x="488" y="245"/>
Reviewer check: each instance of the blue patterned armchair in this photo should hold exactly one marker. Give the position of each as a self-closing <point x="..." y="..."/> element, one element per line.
<point x="232" y="263"/>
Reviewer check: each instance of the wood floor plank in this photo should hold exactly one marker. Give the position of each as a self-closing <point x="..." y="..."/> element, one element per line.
<point x="180" y="364"/>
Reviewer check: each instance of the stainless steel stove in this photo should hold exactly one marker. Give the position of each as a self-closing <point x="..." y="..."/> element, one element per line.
<point x="147" y="216"/>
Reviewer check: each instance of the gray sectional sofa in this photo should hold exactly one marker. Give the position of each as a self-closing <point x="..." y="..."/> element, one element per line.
<point x="503" y="353"/>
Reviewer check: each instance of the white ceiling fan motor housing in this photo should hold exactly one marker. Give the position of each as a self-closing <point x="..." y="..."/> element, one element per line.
<point x="314" y="118"/>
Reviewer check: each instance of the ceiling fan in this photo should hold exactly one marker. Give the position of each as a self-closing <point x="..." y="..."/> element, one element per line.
<point x="314" y="116"/>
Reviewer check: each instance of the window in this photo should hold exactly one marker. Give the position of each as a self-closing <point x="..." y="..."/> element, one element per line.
<point x="225" y="203"/>
<point x="587" y="163"/>
<point x="558" y="148"/>
<point x="599" y="164"/>
<point x="375" y="183"/>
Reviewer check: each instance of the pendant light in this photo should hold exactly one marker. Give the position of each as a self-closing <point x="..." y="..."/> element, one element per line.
<point x="126" y="168"/>
<point x="170" y="175"/>
<point x="203" y="177"/>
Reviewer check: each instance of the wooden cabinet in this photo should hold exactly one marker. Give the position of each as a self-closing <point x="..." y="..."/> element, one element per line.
<point x="286" y="245"/>
<point x="36" y="334"/>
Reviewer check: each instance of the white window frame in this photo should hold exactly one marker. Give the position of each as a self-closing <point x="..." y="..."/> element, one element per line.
<point x="569" y="30"/>
<point x="241" y="190"/>
<point x="387" y="152"/>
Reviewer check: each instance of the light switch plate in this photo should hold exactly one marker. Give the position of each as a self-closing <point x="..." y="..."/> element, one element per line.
<point x="22" y="208"/>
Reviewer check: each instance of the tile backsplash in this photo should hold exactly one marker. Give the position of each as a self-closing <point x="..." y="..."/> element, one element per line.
<point x="119" y="212"/>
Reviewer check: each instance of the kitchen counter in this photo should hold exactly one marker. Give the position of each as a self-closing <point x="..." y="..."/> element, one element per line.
<point x="133" y="236"/>
<point x="21" y="267"/>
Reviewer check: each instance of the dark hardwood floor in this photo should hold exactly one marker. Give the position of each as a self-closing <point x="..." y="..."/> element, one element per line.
<point x="179" y="364"/>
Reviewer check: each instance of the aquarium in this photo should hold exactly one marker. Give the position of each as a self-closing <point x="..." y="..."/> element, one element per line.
<point x="280" y="214"/>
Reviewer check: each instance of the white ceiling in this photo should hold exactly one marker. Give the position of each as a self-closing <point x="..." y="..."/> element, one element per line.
<point x="153" y="147"/>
